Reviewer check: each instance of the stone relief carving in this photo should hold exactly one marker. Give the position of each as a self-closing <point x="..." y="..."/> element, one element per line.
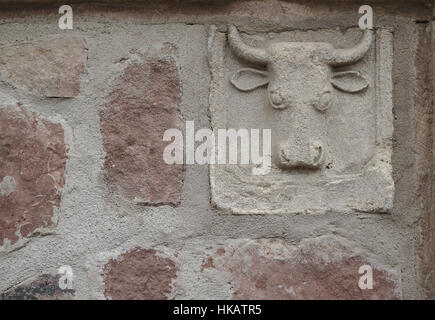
<point x="331" y="149"/>
<point x="300" y="80"/>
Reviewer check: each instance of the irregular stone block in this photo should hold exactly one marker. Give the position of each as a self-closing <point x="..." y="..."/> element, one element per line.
<point x="320" y="268"/>
<point x="143" y="104"/>
<point x="139" y="274"/>
<point x="327" y="98"/>
<point x="32" y="173"/>
<point x="50" y="68"/>
<point x="45" y="287"/>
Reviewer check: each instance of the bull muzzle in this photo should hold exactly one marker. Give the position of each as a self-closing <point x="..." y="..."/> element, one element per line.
<point x="298" y="154"/>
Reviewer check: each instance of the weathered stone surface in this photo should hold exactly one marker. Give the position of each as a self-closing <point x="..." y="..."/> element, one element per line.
<point x="141" y="107"/>
<point x="95" y="225"/>
<point x="331" y="122"/>
<point x="139" y="274"/>
<point x="423" y="99"/>
<point x="32" y="173"/>
<point x="320" y="268"/>
<point x="45" y="287"/>
<point x="50" y="68"/>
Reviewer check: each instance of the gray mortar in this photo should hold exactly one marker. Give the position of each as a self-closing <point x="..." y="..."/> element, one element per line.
<point x="91" y="226"/>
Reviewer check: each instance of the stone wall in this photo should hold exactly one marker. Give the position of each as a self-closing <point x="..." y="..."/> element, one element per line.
<point x="83" y="182"/>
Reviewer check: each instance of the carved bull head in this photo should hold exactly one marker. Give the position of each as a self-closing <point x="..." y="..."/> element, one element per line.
<point x="300" y="83"/>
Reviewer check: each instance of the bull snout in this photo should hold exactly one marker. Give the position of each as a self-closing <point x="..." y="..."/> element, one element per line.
<point x="299" y="154"/>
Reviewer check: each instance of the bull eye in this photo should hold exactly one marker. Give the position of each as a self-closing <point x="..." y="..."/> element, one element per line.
<point x="276" y="98"/>
<point x="324" y="101"/>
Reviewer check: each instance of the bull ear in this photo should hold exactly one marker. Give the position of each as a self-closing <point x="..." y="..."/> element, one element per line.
<point x="248" y="79"/>
<point x="349" y="81"/>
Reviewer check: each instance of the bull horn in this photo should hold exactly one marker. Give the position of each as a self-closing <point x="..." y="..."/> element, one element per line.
<point x="339" y="57"/>
<point x="254" y="55"/>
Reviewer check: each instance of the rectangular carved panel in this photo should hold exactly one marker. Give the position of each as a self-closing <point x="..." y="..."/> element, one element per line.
<point x="326" y="95"/>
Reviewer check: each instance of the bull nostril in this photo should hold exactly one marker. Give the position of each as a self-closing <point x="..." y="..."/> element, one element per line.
<point x="318" y="154"/>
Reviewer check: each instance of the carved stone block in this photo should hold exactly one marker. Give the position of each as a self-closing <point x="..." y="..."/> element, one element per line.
<point x="327" y="98"/>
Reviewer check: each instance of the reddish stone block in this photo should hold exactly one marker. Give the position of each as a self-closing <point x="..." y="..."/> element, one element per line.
<point x="143" y="104"/>
<point x="32" y="173"/>
<point x="321" y="268"/>
<point x="139" y="274"/>
<point x="50" y="68"/>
